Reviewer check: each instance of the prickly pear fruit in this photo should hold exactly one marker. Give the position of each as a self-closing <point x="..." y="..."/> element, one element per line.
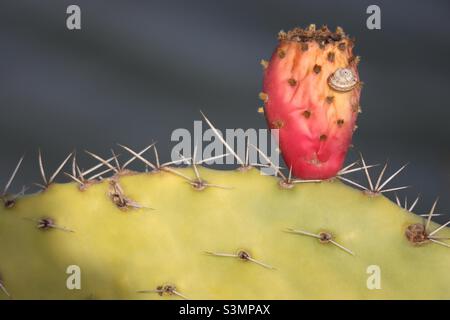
<point x="311" y="94"/>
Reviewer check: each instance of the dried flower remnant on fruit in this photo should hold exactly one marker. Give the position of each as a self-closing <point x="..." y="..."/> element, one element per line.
<point x="292" y="82"/>
<point x="317" y="69"/>
<point x="278" y="124"/>
<point x="331" y="56"/>
<point x="306" y="114"/>
<point x="329" y="99"/>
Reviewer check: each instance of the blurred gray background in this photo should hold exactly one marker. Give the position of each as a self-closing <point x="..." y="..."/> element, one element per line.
<point x="140" y="69"/>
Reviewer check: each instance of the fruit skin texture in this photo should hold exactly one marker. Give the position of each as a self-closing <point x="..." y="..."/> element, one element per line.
<point x="120" y="252"/>
<point x="315" y="122"/>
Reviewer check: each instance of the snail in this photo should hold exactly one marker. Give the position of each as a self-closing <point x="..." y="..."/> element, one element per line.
<point x="343" y="80"/>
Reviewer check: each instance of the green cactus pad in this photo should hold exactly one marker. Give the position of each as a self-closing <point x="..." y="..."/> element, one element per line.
<point x="168" y="245"/>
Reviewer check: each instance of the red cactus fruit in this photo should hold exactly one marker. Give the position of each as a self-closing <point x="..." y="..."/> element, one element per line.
<point x="311" y="94"/>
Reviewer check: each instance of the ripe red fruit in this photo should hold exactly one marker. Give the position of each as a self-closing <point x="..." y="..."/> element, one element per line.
<point x="311" y="94"/>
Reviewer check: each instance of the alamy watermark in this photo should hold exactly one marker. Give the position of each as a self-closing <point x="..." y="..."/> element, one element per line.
<point x="244" y="143"/>
<point x="373" y="22"/>
<point x="73" y="281"/>
<point x="73" y="21"/>
<point x="374" y="280"/>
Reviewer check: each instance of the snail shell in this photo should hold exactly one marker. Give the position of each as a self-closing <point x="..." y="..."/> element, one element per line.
<point x="343" y="80"/>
